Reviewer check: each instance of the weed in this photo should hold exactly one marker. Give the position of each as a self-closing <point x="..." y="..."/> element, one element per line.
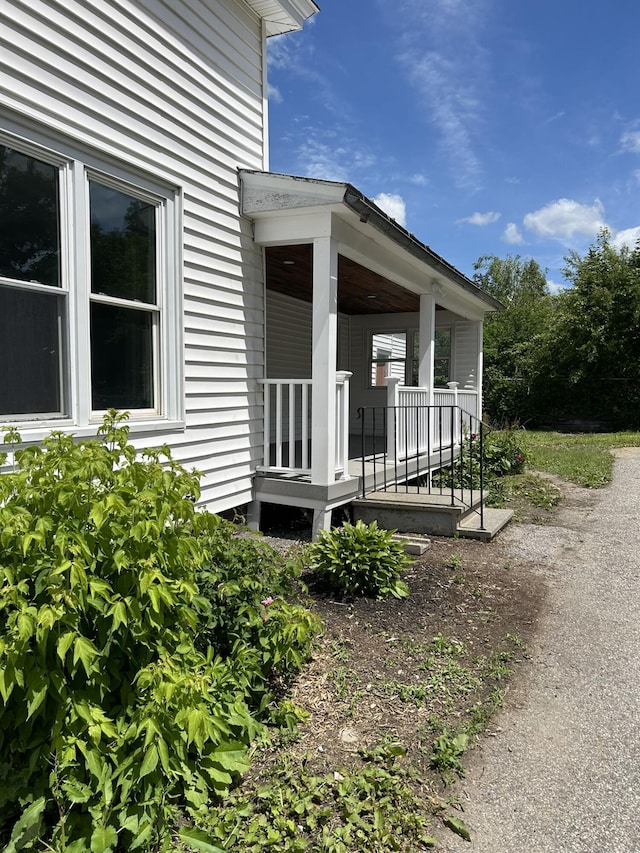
<point x="447" y="750"/>
<point x="372" y="808"/>
<point x="453" y="561"/>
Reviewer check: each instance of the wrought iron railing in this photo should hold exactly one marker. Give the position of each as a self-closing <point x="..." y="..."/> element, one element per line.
<point x="429" y="450"/>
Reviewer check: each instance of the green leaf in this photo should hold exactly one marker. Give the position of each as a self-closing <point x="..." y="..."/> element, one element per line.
<point x="458" y="826"/>
<point x="36" y="694"/>
<point x="231" y="756"/>
<point x="27" y="827"/>
<point x="85" y="651"/>
<point x="198" y="840"/>
<point x="150" y="761"/>
<point x="103" y="839"/>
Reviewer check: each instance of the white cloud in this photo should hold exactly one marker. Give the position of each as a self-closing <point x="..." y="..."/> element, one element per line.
<point x="452" y="106"/>
<point x="419" y="180"/>
<point x="333" y="163"/>
<point x="629" y="237"/>
<point x="394" y="206"/>
<point x="636" y="175"/>
<point x="512" y="235"/>
<point x="443" y="52"/>
<point x="275" y="96"/>
<point x="553" y="287"/>
<point x="564" y="218"/>
<point x="487" y="218"/>
<point x="630" y="141"/>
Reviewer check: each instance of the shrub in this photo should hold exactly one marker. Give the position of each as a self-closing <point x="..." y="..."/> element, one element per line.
<point x="111" y="715"/>
<point x="360" y="559"/>
<point x="502" y="453"/>
<point x="247" y="617"/>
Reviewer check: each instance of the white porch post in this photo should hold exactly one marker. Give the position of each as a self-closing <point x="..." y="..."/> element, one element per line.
<point x="323" y="360"/>
<point x="479" y="369"/>
<point x="426" y="364"/>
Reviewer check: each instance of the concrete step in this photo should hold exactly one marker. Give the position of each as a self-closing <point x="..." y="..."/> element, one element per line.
<point x="415" y="546"/>
<point x="494" y="521"/>
<point x="431" y="515"/>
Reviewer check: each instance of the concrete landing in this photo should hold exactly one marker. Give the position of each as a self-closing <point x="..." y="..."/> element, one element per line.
<point x="494" y="521"/>
<point x="431" y="515"/>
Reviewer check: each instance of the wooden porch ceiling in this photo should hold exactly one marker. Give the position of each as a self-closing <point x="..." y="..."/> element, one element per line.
<point x="360" y="291"/>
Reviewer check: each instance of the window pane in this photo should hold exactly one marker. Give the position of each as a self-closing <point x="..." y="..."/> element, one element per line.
<point x="441" y="371"/>
<point x="443" y="343"/>
<point x="30" y="356"/>
<point x="388" y="356"/>
<point x="121" y="358"/>
<point x="29" y="221"/>
<point x="123" y="245"/>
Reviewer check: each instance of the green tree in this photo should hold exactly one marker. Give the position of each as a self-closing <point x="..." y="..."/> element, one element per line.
<point x="516" y="340"/>
<point x="598" y="334"/>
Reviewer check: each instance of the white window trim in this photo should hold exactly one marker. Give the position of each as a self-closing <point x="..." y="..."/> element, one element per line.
<point x="77" y="167"/>
<point x="373" y="333"/>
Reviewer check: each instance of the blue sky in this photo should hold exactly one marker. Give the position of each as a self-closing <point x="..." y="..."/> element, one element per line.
<point x="483" y="126"/>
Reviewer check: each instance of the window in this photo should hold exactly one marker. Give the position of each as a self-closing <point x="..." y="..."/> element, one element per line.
<point x="32" y="303"/>
<point x="88" y="312"/>
<point x="442" y="358"/>
<point x="388" y="357"/>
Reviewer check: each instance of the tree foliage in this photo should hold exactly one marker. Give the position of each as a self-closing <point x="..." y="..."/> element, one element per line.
<point x="516" y="338"/>
<point x="572" y="356"/>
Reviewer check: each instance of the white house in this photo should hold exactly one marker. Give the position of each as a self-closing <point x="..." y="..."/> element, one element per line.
<point x="150" y="262"/>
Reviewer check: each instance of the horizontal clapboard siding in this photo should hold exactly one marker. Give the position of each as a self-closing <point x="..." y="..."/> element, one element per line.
<point x="173" y="90"/>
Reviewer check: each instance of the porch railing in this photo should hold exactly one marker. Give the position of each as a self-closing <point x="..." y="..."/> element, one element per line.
<point x="288" y="408"/>
<point x="411" y="421"/>
<point x="423" y="449"/>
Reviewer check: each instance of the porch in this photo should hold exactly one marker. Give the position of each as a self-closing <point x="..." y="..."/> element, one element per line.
<point x="361" y="321"/>
<point x="392" y="457"/>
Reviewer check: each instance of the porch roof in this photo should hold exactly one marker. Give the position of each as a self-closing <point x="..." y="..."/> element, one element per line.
<point x="388" y="266"/>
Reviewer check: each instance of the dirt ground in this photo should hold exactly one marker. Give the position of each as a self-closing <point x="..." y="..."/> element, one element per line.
<point x="369" y="678"/>
<point x="407" y="671"/>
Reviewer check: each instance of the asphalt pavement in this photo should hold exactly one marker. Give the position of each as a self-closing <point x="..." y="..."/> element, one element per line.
<point x="562" y="774"/>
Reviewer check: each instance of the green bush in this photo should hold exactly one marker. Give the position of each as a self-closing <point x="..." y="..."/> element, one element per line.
<point x="114" y="711"/>
<point x="247" y="617"/>
<point x="502" y="453"/>
<point x="360" y="559"/>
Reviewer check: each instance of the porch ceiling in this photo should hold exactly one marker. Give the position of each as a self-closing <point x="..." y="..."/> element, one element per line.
<point x="360" y="291"/>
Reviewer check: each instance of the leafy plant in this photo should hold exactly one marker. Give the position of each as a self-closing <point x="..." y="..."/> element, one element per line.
<point x="246" y="615"/>
<point x="447" y="749"/>
<point x="500" y="452"/>
<point x="111" y="715"/>
<point x="372" y="808"/>
<point x="360" y="559"/>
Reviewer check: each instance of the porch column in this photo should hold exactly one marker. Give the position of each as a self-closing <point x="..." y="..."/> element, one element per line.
<point x="480" y="367"/>
<point x="426" y="355"/>
<point x="323" y="360"/>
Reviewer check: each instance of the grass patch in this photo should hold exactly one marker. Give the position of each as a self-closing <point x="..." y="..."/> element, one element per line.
<point x="584" y="459"/>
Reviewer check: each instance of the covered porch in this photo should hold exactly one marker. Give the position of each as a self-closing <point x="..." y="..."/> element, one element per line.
<point x="360" y="317"/>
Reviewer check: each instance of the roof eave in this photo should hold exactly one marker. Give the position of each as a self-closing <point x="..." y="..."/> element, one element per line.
<point x="275" y="193"/>
<point x="283" y="16"/>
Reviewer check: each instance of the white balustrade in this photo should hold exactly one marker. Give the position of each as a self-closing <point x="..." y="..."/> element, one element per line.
<point x="287" y="424"/>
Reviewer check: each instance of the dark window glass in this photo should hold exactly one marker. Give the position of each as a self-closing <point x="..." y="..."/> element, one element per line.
<point x="121" y="358"/>
<point x="30" y="355"/>
<point x="29" y="219"/>
<point x="123" y="245"/>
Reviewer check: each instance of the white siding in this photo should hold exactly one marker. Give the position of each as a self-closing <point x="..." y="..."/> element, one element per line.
<point x="172" y="89"/>
<point x="289" y="324"/>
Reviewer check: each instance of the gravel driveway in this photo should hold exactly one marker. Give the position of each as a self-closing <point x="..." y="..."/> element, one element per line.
<point x="563" y="774"/>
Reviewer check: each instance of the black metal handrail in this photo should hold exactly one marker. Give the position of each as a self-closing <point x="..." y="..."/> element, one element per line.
<point x="433" y="450"/>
